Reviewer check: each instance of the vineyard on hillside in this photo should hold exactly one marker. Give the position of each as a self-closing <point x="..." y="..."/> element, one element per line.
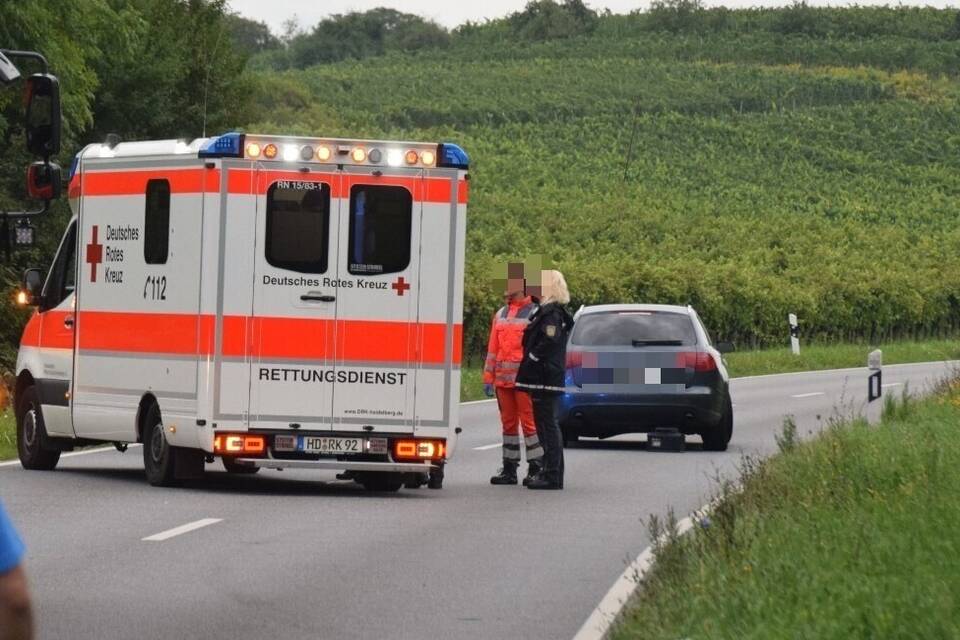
<point x="750" y="174"/>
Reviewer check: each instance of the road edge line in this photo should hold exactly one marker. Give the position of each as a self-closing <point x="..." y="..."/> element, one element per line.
<point x="71" y="454"/>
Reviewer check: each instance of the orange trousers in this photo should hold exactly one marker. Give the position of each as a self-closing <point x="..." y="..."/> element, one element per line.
<point x="516" y="412"/>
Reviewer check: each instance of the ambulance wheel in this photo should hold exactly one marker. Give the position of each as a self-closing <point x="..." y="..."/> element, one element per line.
<point x="32" y="434"/>
<point x="237" y="468"/>
<point x="157" y="452"/>
<point x="381" y="481"/>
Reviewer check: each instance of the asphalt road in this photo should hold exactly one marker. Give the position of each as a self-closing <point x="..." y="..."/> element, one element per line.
<point x="297" y="554"/>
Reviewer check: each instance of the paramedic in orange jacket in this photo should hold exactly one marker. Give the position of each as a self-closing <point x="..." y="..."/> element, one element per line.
<point x="504" y="354"/>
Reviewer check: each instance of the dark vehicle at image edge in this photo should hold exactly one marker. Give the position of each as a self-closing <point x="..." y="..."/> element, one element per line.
<point x="633" y="368"/>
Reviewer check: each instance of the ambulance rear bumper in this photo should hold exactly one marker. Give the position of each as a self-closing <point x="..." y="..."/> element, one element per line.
<point x="339" y="465"/>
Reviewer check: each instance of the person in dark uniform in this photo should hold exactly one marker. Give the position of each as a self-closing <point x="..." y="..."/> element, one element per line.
<point x="542" y="373"/>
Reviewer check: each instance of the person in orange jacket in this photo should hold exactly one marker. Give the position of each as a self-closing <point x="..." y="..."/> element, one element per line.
<point x="504" y="355"/>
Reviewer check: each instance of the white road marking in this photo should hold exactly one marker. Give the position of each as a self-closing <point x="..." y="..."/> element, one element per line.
<point x="478" y="401"/>
<point x="84" y="452"/>
<point x="891" y="384"/>
<point x="607" y="612"/>
<point x="488" y="446"/>
<point x="808" y="395"/>
<point x="176" y="531"/>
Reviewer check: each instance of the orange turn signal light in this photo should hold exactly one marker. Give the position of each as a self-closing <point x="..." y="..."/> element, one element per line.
<point x="270" y="151"/>
<point x="419" y="450"/>
<point x="22" y="298"/>
<point x="235" y="444"/>
<point x="412" y="157"/>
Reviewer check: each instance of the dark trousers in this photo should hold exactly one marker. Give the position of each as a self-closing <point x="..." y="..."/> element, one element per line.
<point x="548" y="431"/>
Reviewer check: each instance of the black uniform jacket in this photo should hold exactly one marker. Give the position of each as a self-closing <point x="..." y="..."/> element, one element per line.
<point x="545" y="350"/>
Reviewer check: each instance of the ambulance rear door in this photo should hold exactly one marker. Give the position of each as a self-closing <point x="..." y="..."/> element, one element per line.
<point x="295" y="296"/>
<point x="378" y="338"/>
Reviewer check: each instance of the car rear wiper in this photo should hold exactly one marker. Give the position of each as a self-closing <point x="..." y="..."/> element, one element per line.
<point x="657" y="343"/>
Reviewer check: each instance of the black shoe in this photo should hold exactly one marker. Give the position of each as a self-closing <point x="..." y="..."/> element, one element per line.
<point x="505" y="476"/>
<point x="533" y="469"/>
<point x="543" y="481"/>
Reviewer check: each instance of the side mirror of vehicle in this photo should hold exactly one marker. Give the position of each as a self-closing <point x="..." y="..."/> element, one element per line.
<point x="726" y="347"/>
<point x="31" y="288"/>
<point x="43" y="115"/>
<point x="44" y="181"/>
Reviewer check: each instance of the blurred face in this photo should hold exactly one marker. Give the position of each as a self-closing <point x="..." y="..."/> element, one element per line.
<point x="514" y="290"/>
<point x="544" y="289"/>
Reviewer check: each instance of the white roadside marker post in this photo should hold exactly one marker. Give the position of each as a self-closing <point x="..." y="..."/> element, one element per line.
<point x="794" y="334"/>
<point x="874" y="386"/>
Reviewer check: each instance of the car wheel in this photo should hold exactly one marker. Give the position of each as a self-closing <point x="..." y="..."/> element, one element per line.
<point x="718" y="438"/>
<point x="239" y="469"/>
<point x="157" y="452"/>
<point x="32" y="434"/>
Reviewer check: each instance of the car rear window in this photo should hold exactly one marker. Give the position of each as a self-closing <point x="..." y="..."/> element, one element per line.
<point x="632" y="328"/>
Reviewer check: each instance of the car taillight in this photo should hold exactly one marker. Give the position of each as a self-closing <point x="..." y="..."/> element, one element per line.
<point x="699" y="361"/>
<point x="239" y="444"/>
<point x="419" y="450"/>
<point x="574" y="359"/>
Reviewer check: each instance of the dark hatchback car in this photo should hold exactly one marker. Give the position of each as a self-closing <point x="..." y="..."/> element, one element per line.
<point x="638" y="367"/>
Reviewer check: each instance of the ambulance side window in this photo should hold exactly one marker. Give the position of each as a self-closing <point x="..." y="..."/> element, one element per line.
<point x="62" y="277"/>
<point x="381" y="221"/>
<point x="156" y="224"/>
<point x="298" y="226"/>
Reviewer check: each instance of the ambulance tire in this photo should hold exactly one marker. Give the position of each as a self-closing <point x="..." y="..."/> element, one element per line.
<point x="158" y="455"/>
<point x="381" y="481"/>
<point x="32" y="434"/>
<point x="239" y="469"/>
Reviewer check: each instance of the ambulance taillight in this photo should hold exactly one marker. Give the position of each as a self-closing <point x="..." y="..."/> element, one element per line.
<point x="417" y="450"/>
<point x="239" y="444"/>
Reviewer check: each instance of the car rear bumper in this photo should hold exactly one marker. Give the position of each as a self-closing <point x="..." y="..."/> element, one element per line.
<point x="339" y="465"/>
<point x="692" y="410"/>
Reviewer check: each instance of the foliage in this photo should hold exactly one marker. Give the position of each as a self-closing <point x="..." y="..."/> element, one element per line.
<point x="842" y="536"/>
<point x="357" y="35"/>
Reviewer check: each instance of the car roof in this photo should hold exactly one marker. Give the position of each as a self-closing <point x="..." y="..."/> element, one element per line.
<point x="613" y="308"/>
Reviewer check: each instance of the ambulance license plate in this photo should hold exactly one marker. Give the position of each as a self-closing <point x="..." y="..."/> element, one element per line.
<point x="329" y="446"/>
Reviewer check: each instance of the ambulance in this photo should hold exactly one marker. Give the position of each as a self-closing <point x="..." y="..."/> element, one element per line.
<point x="272" y="301"/>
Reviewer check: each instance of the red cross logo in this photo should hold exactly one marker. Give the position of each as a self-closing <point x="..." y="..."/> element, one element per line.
<point x="94" y="254"/>
<point x="400" y="286"/>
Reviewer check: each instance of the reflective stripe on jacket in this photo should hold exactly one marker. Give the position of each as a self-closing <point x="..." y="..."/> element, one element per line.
<point x="505" y="347"/>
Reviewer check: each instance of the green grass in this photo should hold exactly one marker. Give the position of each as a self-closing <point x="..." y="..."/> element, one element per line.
<point x="837" y="356"/>
<point x="8" y="436"/>
<point x="850" y="535"/>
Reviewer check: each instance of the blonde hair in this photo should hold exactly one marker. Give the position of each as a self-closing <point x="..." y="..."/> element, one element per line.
<point x="554" y="287"/>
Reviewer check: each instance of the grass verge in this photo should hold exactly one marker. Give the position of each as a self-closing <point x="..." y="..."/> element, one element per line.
<point x="837" y="356"/>
<point x="8" y="436"/>
<point x="849" y="535"/>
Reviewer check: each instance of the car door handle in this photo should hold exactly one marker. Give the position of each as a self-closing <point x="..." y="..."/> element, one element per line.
<point x="317" y="297"/>
<point x="68" y="322"/>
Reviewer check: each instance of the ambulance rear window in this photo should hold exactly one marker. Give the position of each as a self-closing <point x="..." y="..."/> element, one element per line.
<point x="381" y="221"/>
<point x="298" y="226"/>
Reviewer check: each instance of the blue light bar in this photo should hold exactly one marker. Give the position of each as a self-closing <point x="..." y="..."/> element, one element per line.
<point x="451" y="156"/>
<point x="229" y="145"/>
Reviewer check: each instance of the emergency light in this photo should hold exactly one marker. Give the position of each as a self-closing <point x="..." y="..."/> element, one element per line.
<point x="358" y="152"/>
<point x="229" y="145"/>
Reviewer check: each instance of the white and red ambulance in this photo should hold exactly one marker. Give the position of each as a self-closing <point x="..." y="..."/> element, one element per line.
<point x="274" y="301"/>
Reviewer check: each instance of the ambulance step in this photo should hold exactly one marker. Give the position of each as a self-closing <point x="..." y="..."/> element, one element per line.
<point x="402" y="467"/>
